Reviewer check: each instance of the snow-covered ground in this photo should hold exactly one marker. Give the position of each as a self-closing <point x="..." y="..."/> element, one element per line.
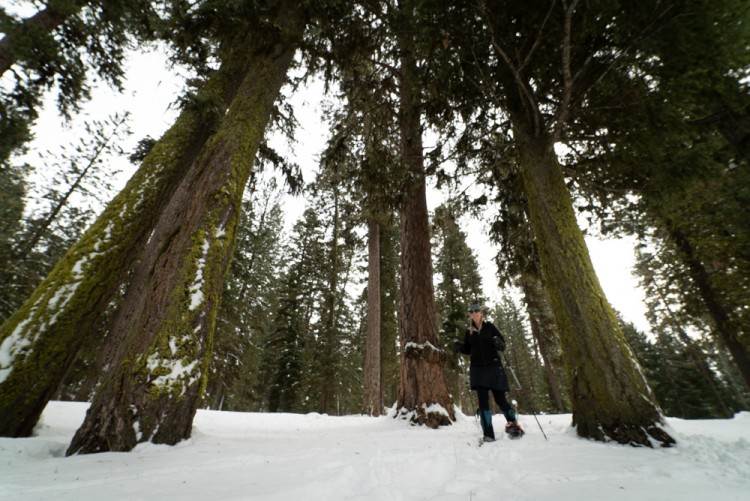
<point x="238" y="456"/>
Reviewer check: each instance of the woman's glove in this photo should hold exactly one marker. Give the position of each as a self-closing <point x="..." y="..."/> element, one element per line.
<point x="457" y="346"/>
<point x="499" y="343"/>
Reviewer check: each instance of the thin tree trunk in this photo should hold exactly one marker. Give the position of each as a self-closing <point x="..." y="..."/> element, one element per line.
<point x="168" y="314"/>
<point x="33" y="240"/>
<point x="611" y="398"/>
<point x="699" y="358"/>
<point x="724" y="326"/>
<point x="373" y="396"/>
<point x="544" y="330"/>
<point x="423" y="391"/>
<point x="328" y="369"/>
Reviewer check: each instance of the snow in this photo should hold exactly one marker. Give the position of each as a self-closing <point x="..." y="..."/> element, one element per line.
<point x="238" y="456"/>
<point x="196" y="289"/>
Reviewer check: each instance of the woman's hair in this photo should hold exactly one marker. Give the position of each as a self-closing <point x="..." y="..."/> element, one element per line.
<point x="475" y="326"/>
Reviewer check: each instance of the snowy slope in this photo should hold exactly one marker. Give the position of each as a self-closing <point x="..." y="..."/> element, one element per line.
<point x="237" y="456"/>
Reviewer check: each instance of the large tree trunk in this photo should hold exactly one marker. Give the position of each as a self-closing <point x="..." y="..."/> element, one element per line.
<point x="373" y="396"/>
<point x="43" y="337"/>
<point x="423" y="391"/>
<point x="167" y="318"/>
<point x="611" y="398"/>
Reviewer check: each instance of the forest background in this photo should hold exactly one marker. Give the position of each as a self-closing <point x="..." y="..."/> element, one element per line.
<point x="319" y="265"/>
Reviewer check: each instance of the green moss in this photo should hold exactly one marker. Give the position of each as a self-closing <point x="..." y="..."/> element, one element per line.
<point x="95" y="267"/>
<point x="607" y="387"/>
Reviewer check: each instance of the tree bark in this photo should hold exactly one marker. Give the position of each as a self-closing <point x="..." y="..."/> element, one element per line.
<point x="48" y="330"/>
<point x="610" y="396"/>
<point x="423" y="391"/>
<point x="373" y="396"/>
<point x="168" y="313"/>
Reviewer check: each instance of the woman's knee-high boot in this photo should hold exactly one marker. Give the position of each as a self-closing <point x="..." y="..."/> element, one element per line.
<point x="485" y="418"/>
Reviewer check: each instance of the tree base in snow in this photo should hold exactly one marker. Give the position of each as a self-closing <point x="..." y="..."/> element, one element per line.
<point x="637" y="436"/>
<point x="431" y="419"/>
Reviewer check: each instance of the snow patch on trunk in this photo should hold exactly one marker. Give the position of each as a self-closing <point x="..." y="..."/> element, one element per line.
<point x="196" y="289"/>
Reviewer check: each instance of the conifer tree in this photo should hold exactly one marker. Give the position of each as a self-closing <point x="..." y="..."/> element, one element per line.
<point x="521" y="358"/>
<point x="458" y="285"/>
<point x="300" y="295"/>
<point x="82" y="284"/>
<point x="336" y="327"/>
<point x="61" y="47"/>
<point x="423" y="392"/>
<point x="541" y="70"/>
<point x="12" y="193"/>
<point x="76" y="182"/>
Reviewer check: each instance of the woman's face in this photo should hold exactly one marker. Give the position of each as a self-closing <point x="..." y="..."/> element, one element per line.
<point x="476" y="316"/>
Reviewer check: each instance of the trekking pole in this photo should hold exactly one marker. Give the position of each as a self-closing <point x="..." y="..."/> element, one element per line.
<point x="520" y="390"/>
<point x="466" y="382"/>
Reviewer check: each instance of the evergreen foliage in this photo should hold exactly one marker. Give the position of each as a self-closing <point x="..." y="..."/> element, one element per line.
<point x="65" y="192"/>
<point x="521" y="357"/>
<point x="65" y="47"/>
<point x="249" y="302"/>
<point x="684" y="374"/>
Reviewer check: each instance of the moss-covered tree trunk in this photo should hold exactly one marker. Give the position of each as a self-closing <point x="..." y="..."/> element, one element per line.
<point x="168" y="313"/>
<point x="41" y="340"/>
<point x="610" y="396"/>
<point x="423" y="391"/>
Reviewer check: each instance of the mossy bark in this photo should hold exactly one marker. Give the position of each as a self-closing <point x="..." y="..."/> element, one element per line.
<point x="423" y="391"/>
<point x="168" y="314"/>
<point x="610" y="396"/>
<point x="41" y="340"/>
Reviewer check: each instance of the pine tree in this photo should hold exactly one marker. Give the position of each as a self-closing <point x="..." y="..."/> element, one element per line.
<point x="423" y="392"/>
<point x="94" y="270"/>
<point x="62" y="205"/>
<point x="336" y="325"/>
<point x="458" y="285"/>
<point x="532" y="65"/>
<point x="12" y="194"/>
<point x="298" y="300"/>
<point x="522" y="359"/>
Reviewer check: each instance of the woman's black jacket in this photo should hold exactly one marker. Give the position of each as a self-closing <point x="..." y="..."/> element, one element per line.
<point x="486" y="370"/>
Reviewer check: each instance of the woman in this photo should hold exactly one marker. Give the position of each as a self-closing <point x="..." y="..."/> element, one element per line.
<point x="482" y="341"/>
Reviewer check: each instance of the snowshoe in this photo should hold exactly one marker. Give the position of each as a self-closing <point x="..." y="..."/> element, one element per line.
<point x="514" y="430"/>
